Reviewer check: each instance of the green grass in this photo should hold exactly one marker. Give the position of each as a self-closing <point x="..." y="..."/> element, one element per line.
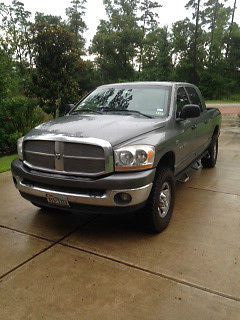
<point x="222" y="102"/>
<point x="5" y="162"/>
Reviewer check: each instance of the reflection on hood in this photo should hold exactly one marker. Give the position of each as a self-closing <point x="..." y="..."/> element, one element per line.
<point x="113" y="128"/>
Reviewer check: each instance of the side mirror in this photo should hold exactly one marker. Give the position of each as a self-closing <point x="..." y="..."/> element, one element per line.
<point x="190" y="111"/>
<point x="69" y="107"/>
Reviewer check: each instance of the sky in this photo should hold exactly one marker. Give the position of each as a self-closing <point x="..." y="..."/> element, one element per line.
<point x="171" y="11"/>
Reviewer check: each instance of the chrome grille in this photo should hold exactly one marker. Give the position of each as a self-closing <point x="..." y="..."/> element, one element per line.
<point x="40" y="153"/>
<point x="69" y="157"/>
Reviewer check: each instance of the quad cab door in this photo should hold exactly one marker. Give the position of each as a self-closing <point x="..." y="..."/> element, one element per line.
<point x="202" y="123"/>
<point x="186" y="143"/>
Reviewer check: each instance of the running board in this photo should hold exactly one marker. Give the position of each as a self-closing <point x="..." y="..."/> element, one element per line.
<point x="183" y="173"/>
<point x="197" y="165"/>
<point x="184" y="179"/>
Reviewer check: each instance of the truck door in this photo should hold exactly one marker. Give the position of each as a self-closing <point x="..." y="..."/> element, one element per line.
<point x="202" y="122"/>
<point x="185" y="141"/>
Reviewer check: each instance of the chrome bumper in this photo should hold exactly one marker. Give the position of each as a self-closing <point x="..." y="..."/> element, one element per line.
<point x="139" y="195"/>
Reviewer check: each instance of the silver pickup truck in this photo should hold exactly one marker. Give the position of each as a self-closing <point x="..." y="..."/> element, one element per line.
<point x="120" y="149"/>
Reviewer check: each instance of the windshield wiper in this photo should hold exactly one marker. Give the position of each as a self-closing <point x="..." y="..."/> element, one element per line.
<point x="123" y="110"/>
<point x="106" y="109"/>
<point x="138" y="112"/>
<point x="85" y="110"/>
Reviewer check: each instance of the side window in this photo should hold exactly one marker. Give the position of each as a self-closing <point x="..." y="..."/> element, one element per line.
<point x="182" y="100"/>
<point x="194" y="97"/>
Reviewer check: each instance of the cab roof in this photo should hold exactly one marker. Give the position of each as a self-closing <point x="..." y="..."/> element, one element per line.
<point x="146" y="83"/>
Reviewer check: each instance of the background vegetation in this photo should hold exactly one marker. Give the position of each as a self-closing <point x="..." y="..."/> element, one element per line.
<point x="42" y="67"/>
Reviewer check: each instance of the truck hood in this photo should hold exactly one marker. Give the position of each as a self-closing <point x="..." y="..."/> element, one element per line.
<point x="113" y="128"/>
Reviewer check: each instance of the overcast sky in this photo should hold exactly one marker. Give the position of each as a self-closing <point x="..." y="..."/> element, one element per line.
<point x="171" y="11"/>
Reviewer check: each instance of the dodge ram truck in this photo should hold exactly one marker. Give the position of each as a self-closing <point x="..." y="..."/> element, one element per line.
<point x="120" y="149"/>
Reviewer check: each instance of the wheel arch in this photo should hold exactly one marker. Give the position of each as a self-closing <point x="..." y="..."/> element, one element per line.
<point x="216" y="131"/>
<point x="168" y="160"/>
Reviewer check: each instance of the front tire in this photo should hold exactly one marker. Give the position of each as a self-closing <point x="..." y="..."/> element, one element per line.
<point x="42" y="207"/>
<point x="209" y="161"/>
<point x="159" y="208"/>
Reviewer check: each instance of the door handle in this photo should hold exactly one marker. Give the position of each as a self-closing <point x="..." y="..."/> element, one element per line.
<point x="194" y="126"/>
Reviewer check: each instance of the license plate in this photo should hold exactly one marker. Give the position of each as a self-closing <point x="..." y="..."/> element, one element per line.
<point x="61" y="201"/>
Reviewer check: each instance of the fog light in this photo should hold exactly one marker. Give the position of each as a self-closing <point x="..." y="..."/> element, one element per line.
<point x="122" y="198"/>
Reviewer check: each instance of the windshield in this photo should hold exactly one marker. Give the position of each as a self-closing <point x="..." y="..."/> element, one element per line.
<point x="152" y="101"/>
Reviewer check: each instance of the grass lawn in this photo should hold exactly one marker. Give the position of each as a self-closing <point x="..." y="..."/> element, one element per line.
<point x="5" y="162"/>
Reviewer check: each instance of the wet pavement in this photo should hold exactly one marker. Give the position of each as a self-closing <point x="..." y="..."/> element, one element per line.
<point x="68" y="266"/>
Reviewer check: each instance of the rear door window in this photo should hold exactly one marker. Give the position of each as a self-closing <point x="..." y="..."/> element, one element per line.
<point x="194" y="97"/>
<point x="182" y="100"/>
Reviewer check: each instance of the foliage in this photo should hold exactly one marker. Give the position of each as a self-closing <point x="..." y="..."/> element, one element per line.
<point x="156" y="59"/>
<point x="57" y="65"/>
<point x="76" y="23"/>
<point x="41" y="57"/>
<point x="9" y="81"/>
<point x="44" y="56"/>
<point x="18" y="116"/>
<point x="117" y="40"/>
<point x="148" y="23"/>
<point x="149" y="16"/>
<point x="15" y="27"/>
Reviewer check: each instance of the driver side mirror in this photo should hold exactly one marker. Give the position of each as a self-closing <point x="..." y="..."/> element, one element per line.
<point x="190" y="111"/>
<point x="69" y="107"/>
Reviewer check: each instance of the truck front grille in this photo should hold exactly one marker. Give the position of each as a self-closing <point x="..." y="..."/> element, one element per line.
<point x="67" y="157"/>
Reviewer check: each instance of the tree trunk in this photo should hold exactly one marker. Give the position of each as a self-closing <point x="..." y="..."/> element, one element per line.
<point x="142" y="45"/>
<point x="195" y="73"/>
<point x="231" y="27"/>
<point x="214" y="19"/>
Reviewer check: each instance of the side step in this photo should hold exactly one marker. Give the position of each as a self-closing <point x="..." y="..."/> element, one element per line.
<point x="197" y="165"/>
<point x="185" y="178"/>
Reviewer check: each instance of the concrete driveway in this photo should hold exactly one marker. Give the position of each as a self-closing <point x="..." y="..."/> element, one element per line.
<point x="65" y="266"/>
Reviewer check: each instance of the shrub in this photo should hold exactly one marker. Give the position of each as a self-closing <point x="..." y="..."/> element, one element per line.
<point x="235" y="97"/>
<point x="18" y="116"/>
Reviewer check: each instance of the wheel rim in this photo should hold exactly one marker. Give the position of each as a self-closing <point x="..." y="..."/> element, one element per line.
<point x="164" y="200"/>
<point x="215" y="151"/>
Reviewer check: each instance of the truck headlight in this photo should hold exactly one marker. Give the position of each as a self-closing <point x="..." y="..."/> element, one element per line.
<point x="20" y="148"/>
<point x="134" y="158"/>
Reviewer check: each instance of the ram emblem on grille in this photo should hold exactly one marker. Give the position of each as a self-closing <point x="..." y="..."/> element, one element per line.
<point x="58" y="156"/>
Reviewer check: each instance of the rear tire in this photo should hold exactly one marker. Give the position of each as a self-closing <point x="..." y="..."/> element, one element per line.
<point x="159" y="208"/>
<point x="209" y="161"/>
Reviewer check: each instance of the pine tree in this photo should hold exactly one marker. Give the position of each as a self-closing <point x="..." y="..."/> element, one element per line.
<point x="76" y="22"/>
<point x="148" y="22"/>
<point x="231" y="27"/>
<point x="195" y="4"/>
<point x="117" y="40"/>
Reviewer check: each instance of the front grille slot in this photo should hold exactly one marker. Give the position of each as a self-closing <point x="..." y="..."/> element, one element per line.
<point x="40" y="160"/>
<point x="86" y="165"/>
<point x="77" y="191"/>
<point x="83" y="150"/>
<point x="41" y="146"/>
<point x="65" y="157"/>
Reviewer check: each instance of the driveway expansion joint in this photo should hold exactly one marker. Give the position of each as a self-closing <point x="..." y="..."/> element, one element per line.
<point x="211" y="190"/>
<point x="54" y="243"/>
<point x="26" y="233"/>
<point x="158" y="274"/>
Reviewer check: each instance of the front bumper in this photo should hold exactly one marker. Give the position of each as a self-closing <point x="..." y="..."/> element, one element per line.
<point x="83" y="193"/>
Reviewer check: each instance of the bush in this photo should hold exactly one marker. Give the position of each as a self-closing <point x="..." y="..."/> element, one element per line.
<point x="234" y="97"/>
<point x="18" y="116"/>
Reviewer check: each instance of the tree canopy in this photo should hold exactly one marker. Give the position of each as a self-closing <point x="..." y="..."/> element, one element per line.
<point x="44" y="57"/>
